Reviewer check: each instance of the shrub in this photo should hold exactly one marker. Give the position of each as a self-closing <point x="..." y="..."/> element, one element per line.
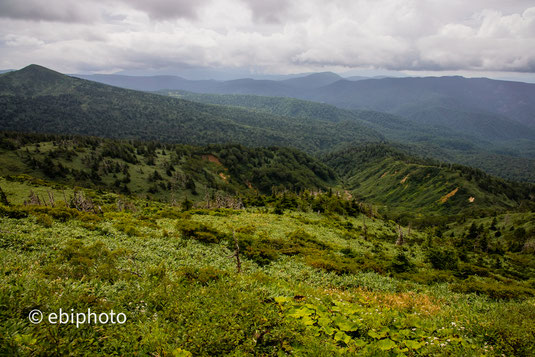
<point x="202" y="275"/>
<point x="493" y="289"/>
<point x="200" y="232"/>
<point x="12" y="212"/>
<point x="401" y="263"/>
<point x="331" y="263"/>
<point x="76" y="260"/>
<point x="301" y="239"/>
<point x="443" y="259"/>
<point x="44" y="220"/>
<point x="262" y="250"/>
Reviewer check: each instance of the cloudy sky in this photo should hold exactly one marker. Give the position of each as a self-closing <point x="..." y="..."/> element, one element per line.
<point x="416" y="37"/>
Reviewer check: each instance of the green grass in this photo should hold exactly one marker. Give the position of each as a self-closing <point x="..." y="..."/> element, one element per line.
<point x="322" y="289"/>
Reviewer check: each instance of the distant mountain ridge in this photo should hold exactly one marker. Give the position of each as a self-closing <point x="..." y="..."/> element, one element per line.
<point x="404" y="96"/>
<point x="37" y="99"/>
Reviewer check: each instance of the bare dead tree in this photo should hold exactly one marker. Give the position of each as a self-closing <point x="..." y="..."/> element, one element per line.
<point x="3" y="198"/>
<point x="400" y="237"/>
<point x="51" y="198"/>
<point x="83" y="204"/>
<point x="364" y="227"/>
<point x="236" y="252"/>
<point x="43" y="201"/>
<point x="221" y="201"/>
<point x="33" y="199"/>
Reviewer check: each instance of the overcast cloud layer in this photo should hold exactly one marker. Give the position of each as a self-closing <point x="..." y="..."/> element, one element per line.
<point x="266" y="36"/>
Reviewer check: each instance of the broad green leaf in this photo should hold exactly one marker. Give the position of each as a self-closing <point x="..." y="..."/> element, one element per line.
<point x="405" y="332"/>
<point x="386" y="344"/>
<point x="345" y="324"/>
<point x="340" y="336"/>
<point x="396" y="336"/>
<point x="360" y="343"/>
<point x="413" y="344"/>
<point x="323" y="321"/>
<point x="373" y="334"/>
<point x="328" y="330"/>
<point x="307" y="320"/>
<point x="281" y="299"/>
<point x="302" y="312"/>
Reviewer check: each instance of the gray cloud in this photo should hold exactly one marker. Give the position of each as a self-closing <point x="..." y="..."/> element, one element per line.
<point x="275" y="11"/>
<point x="50" y="10"/>
<point x="269" y="36"/>
<point x="168" y="9"/>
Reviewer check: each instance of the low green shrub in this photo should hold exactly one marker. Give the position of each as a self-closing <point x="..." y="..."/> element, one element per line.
<point x="401" y="263"/>
<point x="443" y="258"/>
<point x="202" y="275"/>
<point x="493" y="289"/>
<point x="44" y="219"/>
<point x="200" y="232"/>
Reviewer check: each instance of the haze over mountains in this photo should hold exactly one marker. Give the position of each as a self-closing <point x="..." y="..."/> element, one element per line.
<point x="404" y="96"/>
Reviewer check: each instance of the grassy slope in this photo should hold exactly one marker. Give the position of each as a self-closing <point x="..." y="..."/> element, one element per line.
<point x="374" y="173"/>
<point x="384" y="175"/>
<point x="329" y="293"/>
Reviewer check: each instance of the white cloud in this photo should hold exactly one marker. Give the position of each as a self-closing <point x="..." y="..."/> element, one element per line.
<point x="271" y="36"/>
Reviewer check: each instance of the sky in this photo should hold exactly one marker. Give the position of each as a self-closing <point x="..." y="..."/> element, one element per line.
<point x="476" y="38"/>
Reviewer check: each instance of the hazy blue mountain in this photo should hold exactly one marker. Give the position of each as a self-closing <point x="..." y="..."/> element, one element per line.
<point x="355" y="78"/>
<point x="314" y="80"/>
<point x="422" y="99"/>
<point x="407" y="96"/>
<point x="149" y="83"/>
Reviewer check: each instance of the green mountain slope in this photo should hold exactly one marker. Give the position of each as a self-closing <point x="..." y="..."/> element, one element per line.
<point x="437" y="137"/>
<point x="376" y="173"/>
<point x="384" y="175"/>
<point x="306" y="283"/>
<point x="162" y="171"/>
<point x="36" y="99"/>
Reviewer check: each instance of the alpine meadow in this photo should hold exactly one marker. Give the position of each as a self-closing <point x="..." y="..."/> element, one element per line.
<point x="244" y="178"/>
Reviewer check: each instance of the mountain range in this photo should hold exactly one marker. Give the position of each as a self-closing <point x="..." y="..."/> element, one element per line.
<point x="40" y="100"/>
<point x="404" y="96"/>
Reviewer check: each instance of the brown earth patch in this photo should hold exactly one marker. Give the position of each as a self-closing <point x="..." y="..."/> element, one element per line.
<point x="213" y="159"/>
<point x="444" y="198"/>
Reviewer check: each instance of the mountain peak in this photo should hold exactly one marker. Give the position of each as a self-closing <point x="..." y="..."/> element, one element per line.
<point x="37" y="71"/>
<point x="313" y="80"/>
<point x="32" y="80"/>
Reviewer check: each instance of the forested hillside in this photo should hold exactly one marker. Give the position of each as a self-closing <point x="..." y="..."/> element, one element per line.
<point x="36" y="99"/>
<point x="161" y="171"/>
<point x="376" y="173"/>
<point x="496" y="146"/>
